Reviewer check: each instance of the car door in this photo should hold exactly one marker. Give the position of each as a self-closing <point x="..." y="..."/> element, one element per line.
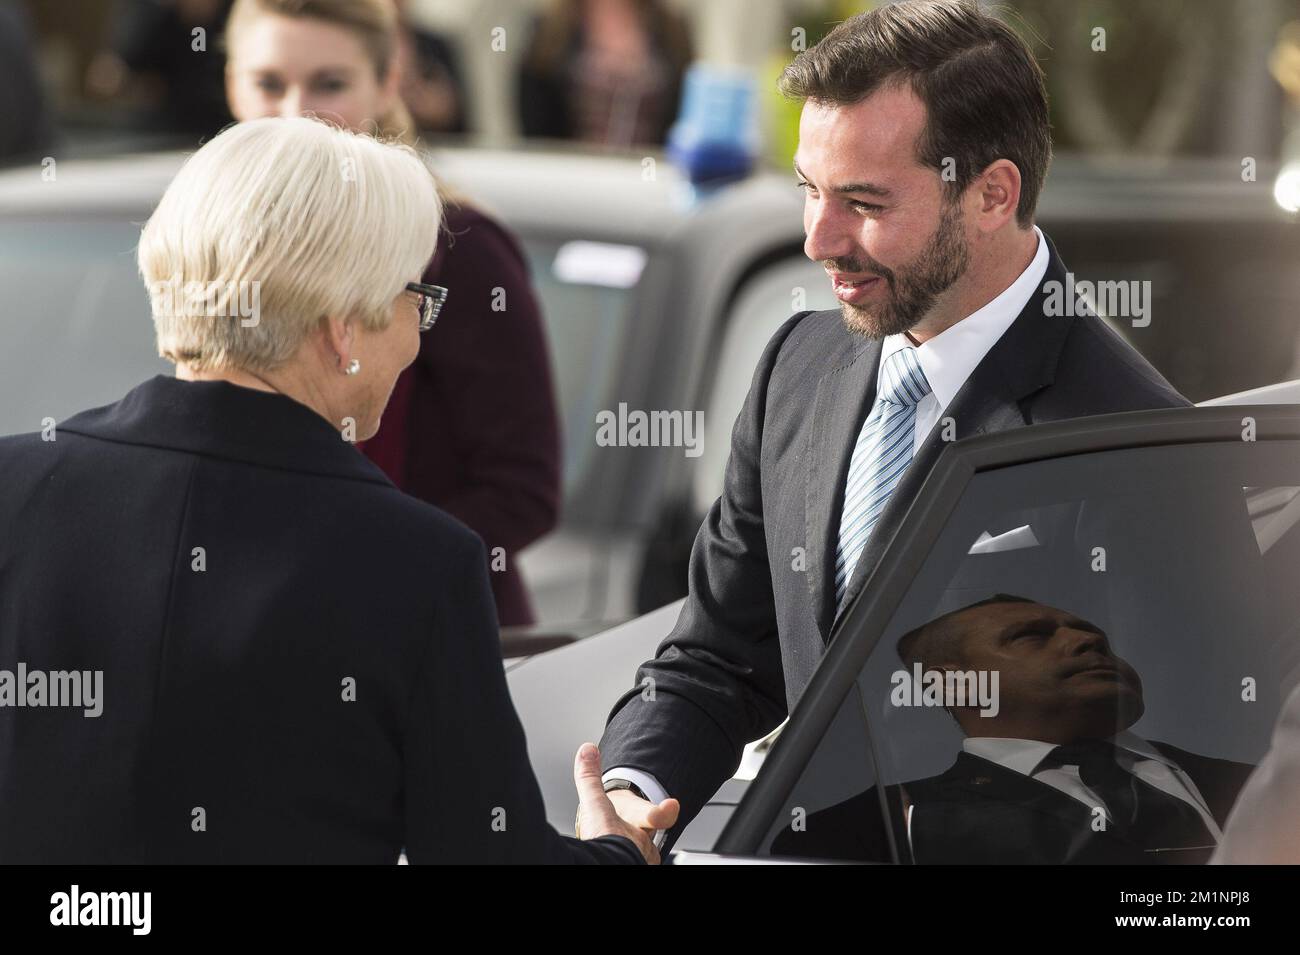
<point x="1123" y="584"/>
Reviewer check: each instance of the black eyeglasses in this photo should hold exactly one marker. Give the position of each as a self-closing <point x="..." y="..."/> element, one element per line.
<point x="431" y="299"/>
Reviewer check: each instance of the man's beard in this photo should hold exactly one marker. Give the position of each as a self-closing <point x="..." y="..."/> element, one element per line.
<point x="911" y="290"/>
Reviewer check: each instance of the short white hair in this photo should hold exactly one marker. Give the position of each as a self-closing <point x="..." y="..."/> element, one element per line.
<point x="303" y="219"/>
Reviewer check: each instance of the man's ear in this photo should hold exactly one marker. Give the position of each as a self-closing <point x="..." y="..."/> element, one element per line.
<point x="997" y="190"/>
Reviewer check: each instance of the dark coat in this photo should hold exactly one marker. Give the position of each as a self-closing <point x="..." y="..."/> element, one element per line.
<point x="294" y="653"/>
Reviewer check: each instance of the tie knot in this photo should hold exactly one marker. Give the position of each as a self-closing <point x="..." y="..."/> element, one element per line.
<point x="902" y="382"/>
<point x="1095" y="758"/>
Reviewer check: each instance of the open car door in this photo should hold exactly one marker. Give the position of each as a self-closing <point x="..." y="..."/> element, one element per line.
<point x="1073" y="650"/>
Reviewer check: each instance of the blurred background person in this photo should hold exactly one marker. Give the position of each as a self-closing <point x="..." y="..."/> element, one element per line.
<point x="26" y="130"/>
<point x="604" y="72"/>
<point x="163" y="56"/>
<point x="281" y="657"/>
<point x="433" y="88"/>
<point x="473" y="425"/>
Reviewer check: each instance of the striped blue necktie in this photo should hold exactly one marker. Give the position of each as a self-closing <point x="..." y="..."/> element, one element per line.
<point x="882" y="454"/>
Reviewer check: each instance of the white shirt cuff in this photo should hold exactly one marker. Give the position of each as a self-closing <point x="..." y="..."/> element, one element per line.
<point x="642" y="781"/>
<point x="647" y="784"/>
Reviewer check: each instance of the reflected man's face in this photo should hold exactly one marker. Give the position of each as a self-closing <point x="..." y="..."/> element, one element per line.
<point x="1059" y="679"/>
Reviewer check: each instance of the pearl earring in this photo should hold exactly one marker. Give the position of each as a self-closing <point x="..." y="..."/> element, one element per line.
<point x="354" y="366"/>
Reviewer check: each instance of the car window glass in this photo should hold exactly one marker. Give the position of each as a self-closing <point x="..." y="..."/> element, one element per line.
<point x="835" y="811"/>
<point x="586" y="320"/>
<point x="76" y="325"/>
<point x="1097" y="689"/>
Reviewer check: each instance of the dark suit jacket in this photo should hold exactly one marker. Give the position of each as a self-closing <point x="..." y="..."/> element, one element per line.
<point x="753" y="629"/>
<point x="225" y="669"/>
<point x="979" y="812"/>
<point x="472" y="426"/>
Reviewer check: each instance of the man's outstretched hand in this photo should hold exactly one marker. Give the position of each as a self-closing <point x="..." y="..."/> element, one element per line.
<point x="599" y="816"/>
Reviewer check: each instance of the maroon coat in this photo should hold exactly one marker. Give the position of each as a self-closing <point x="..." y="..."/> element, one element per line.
<point x="472" y="426"/>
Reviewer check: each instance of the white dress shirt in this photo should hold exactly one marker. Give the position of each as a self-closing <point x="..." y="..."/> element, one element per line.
<point x="947" y="360"/>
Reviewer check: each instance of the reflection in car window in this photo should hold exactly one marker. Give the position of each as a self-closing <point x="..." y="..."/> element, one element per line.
<point x="1085" y="670"/>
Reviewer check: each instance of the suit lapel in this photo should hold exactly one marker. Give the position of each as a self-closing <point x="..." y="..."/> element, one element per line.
<point x="1218" y="781"/>
<point x="844" y="397"/>
<point x="1020" y="363"/>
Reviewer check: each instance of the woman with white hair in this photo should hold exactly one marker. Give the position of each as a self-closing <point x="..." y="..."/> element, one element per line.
<point x="278" y="656"/>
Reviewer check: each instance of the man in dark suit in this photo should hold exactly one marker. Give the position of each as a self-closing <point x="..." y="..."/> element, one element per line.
<point x="924" y="144"/>
<point x="1050" y="773"/>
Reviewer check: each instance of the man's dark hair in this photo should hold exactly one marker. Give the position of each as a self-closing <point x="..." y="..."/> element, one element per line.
<point x="940" y="640"/>
<point x="982" y="88"/>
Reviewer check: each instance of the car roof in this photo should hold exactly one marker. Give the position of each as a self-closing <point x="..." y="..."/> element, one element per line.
<point x="616" y="193"/>
<point x="649" y="197"/>
<point x="1282" y="393"/>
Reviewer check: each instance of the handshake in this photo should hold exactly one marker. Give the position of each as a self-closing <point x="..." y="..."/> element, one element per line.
<point x="620" y="813"/>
